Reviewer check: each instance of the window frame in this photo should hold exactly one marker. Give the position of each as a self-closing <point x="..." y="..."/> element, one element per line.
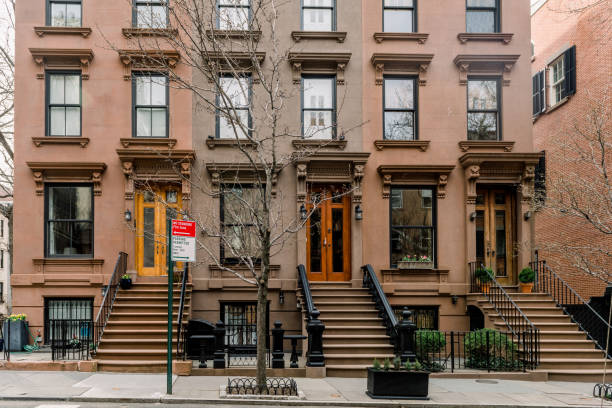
<point x="135" y="3"/>
<point x="218" y="17"/>
<point x="414" y="110"/>
<point x="224" y="303"/>
<point x="497" y="15"/>
<point x="414" y="9"/>
<point x="48" y="105"/>
<point x="498" y="110"/>
<point x="224" y="186"/>
<point x="135" y="106"/>
<point x="398" y="309"/>
<point x="1" y="292"/>
<point x="334" y="126"/>
<point x="47" y="300"/>
<point x="334" y="10"/>
<point x="48" y="16"/>
<point x="249" y="78"/>
<point x="434" y="220"/>
<point x="552" y="85"/>
<point x="47" y="221"/>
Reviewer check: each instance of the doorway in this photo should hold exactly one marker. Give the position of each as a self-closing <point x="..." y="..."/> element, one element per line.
<point x="328" y="239"/>
<point x="495" y="216"/>
<point x="155" y="207"/>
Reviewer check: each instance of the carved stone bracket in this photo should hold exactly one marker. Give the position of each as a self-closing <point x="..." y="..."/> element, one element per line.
<point x="156" y="60"/>
<point x="527" y="179"/>
<point x="62" y="58"/>
<point x="411" y="64"/>
<point x="318" y="63"/>
<point x="221" y="173"/>
<point x="66" y="172"/>
<point x="415" y="174"/>
<point x="485" y="64"/>
<point x="472" y="173"/>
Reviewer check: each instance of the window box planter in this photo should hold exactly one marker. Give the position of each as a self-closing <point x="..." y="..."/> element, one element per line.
<point x="398" y="384"/>
<point x="414" y="265"/>
<point x="125" y="283"/>
<point x="18" y="334"/>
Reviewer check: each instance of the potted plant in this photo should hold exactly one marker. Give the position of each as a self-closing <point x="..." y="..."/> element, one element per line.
<point x="526" y="278"/>
<point x="403" y="381"/>
<point x="415" y="262"/>
<point x="18" y="327"/>
<point x="484" y="277"/>
<point x="125" y="282"/>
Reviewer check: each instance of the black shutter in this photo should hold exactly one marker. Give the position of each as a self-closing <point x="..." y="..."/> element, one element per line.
<point x="538" y="93"/>
<point x="570" y="71"/>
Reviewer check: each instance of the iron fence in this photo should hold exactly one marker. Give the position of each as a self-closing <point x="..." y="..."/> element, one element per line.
<point x="70" y="339"/>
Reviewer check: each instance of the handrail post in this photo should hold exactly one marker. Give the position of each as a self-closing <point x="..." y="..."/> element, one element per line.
<point x="219" y="353"/>
<point x="315" y="328"/>
<point x="278" y="355"/>
<point x="406" y="332"/>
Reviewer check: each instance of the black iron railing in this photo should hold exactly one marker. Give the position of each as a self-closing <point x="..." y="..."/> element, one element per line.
<point x="523" y="331"/>
<point x="304" y="285"/>
<point x="70" y="339"/>
<point x="314" y="327"/>
<point x="385" y="311"/>
<point x="181" y="349"/>
<point x="485" y="349"/>
<point x="592" y="323"/>
<point x="108" y="300"/>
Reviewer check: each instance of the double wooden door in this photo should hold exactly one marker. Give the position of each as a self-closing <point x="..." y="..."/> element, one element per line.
<point x="155" y="207"/>
<point x="328" y="240"/>
<point x="495" y="220"/>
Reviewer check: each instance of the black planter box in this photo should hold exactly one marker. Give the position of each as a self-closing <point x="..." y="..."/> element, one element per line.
<point x="125" y="283"/>
<point x="18" y="335"/>
<point x="398" y="384"/>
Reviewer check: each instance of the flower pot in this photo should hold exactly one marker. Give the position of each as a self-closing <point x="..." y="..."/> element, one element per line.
<point x="414" y="265"/>
<point x="125" y="283"/>
<point x="526" y="287"/>
<point x="18" y="334"/>
<point x="398" y="384"/>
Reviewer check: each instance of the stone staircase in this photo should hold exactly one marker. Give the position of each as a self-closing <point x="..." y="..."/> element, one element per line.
<point x="354" y="334"/>
<point x="565" y="352"/>
<point x="135" y="337"/>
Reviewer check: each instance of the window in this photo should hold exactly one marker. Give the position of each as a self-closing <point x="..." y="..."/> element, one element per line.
<point x="69" y="220"/>
<point x="233" y="116"/>
<point x="412" y="223"/>
<point x="240" y="323"/>
<point x="399" y="16"/>
<point x="150" y="13"/>
<point x="318" y="15"/>
<point x="234" y="14"/>
<point x="239" y="205"/>
<point x="63" y="103"/>
<point x="1" y="228"/>
<point x="64" y="13"/>
<point x="1" y="292"/>
<point x="557" y="81"/>
<point x="2" y="258"/>
<point x="482" y="16"/>
<point x="540" y="181"/>
<point x="319" y="107"/>
<point x="560" y="82"/>
<point x="150" y="96"/>
<point x="399" y="109"/>
<point x="539" y="93"/>
<point x="76" y="311"/>
<point x="425" y="317"/>
<point x="483" y="109"/>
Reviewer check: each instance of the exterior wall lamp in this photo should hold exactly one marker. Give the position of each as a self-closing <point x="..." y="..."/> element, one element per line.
<point x="281" y="297"/>
<point x="358" y="213"/>
<point x="128" y="215"/>
<point x="473" y="216"/>
<point x="527" y="215"/>
<point x="303" y="212"/>
<point x="454" y="299"/>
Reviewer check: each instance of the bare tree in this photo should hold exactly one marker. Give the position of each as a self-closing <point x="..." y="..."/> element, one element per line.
<point x="247" y="92"/>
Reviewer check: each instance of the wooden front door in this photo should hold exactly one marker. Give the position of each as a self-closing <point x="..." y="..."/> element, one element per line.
<point x="495" y="209"/>
<point x="154" y="208"/>
<point x="328" y="240"/>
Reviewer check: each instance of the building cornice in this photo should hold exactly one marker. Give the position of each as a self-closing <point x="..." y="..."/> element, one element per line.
<point x="62" y="58"/>
<point x="412" y="64"/>
<point x="421" y="38"/>
<point x="338" y="36"/>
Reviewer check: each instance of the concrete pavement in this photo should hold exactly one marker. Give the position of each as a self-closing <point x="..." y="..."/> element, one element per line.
<point x="73" y="388"/>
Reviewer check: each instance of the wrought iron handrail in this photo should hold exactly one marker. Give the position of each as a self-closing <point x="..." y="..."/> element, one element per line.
<point x="306" y="294"/>
<point x="370" y="281"/>
<point x="592" y="323"/>
<point x="181" y="349"/>
<point x="109" y="298"/>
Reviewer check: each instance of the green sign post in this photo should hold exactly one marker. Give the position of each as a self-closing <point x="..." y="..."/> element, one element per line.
<point x="170" y="317"/>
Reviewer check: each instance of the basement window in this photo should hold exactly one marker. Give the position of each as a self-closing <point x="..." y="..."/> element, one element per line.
<point x="77" y="312"/>
<point x="425" y="317"/>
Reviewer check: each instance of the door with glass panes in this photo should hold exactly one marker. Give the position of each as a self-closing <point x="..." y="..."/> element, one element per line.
<point x="495" y="209"/>
<point x="328" y="236"/>
<point x="155" y="207"/>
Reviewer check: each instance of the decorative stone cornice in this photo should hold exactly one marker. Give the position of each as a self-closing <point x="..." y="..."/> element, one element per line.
<point x="470" y="158"/>
<point x="422" y="145"/>
<point x="485" y="64"/>
<point x="415" y="174"/>
<point x="506" y="38"/>
<point x="156" y="60"/>
<point x="214" y="142"/>
<point x="236" y="61"/>
<point x="466" y="145"/>
<point x="57" y="172"/>
<point x="312" y="144"/>
<point x="131" y="32"/>
<point x="82" y="31"/>
<point x="221" y="173"/>
<point x="153" y="142"/>
<point x="419" y="37"/>
<point x="338" y="36"/>
<point x="62" y="140"/>
<point x="414" y="64"/>
<point x="62" y="58"/>
<point x="234" y="34"/>
<point x="319" y="63"/>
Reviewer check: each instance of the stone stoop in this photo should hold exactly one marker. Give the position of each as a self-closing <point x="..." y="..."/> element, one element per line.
<point x="566" y="353"/>
<point x="135" y="337"/>
<point x="354" y="333"/>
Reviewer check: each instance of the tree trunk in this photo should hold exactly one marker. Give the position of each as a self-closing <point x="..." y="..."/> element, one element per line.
<point x="262" y="294"/>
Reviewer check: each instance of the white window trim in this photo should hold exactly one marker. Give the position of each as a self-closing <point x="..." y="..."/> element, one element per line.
<point x="552" y="84"/>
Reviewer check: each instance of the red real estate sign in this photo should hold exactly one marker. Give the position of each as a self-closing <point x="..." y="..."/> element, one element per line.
<point x="184" y="228"/>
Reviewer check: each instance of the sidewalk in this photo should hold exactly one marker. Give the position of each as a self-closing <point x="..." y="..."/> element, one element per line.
<point x="107" y="387"/>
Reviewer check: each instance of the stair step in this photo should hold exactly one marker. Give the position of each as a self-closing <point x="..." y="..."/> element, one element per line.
<point x="365" y="322"/>
<point x="357" y="349"/>
<point x="353" y="306"/>
<point x="355" y="339"/>
<point x="575" y="363"/>
<point x="577" y="375"/>
<point x="352" y="359"/>
<point x="566" y="344"/>
<point x="347" y="370"/>
<point x="561" y="353"/>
